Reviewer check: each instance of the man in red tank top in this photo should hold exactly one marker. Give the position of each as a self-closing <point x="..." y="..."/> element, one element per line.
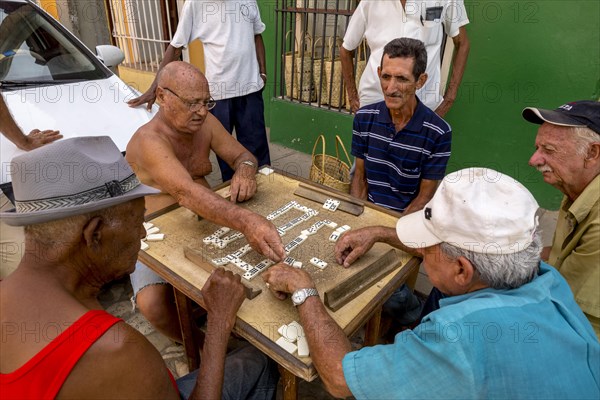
<point x="83" y="208"/>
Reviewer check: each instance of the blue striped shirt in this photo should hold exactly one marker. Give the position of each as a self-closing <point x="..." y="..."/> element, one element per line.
<point x="395" y="162"/>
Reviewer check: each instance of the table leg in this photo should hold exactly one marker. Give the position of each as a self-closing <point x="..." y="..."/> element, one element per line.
<point x="184" y="311"/>
<point x="372" y="329"/>
<point x="289" y="382"/>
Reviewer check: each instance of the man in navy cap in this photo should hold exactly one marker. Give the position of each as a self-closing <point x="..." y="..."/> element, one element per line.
<point x="568" y="155"/>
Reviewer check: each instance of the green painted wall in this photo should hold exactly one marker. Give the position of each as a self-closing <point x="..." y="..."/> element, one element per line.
<point x="523" y="53"/>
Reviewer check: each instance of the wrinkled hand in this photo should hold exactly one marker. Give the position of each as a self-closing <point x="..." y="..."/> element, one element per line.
<point x="223" y="294"/>
<point x="282" y="279"/>
<point x="243" y="184"/>
<point x="444" y="107"/>
<point x="352" y="245"/>
<point x="354" y="103"/>
<point x="263" y="237"/>
<point x="37" y="138"/>
<point x="147" y="98"/>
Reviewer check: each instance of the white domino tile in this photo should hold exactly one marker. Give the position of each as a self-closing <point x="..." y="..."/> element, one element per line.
<point x="155" y="237"/>
<point x="257" y="269"/>
<point x="317" y="262"/>
<point x="302" y="347"/>
<point x="343" y="228"/>
<point x="330" y="224"/>
<point x="219" y="262"/>
<point x="144" y="245"/>
<point x="331" y="204"/>
<point x="152" y="230"/>
<point x="148" y="225"/>
<point x="286" y="345"/>
<point x="334" y="236"/>
<point x="266" y="171"/>
<point x="289" y="260"/>
<point x="295" y="327"/>
<point x="297" y="264"/>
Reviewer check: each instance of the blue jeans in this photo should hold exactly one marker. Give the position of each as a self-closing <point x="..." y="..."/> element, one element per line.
<point x="247" y="115"/>
<point x="403" y="306"/>
<point x="249" y="374"/>
<point x="142" y="277"/>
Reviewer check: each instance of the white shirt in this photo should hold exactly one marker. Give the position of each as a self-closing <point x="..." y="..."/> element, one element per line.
<point x="380" y="21"/>
<point x="226" y="29"/>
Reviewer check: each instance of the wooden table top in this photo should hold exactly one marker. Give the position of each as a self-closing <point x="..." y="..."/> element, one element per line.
<point x="259" y="318"/>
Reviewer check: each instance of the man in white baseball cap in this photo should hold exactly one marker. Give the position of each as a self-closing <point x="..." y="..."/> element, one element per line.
<point x="83" y="208"/>
<point x="508" y="318"/>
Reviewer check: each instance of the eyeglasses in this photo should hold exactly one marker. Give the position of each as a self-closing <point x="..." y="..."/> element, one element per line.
<point x="193" y="107"/>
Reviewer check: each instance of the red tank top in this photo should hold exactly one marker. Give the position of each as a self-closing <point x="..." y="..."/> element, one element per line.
<point x="43" y="375"/>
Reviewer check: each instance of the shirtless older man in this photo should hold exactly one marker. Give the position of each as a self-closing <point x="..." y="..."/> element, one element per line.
<point x="171" y="153"/>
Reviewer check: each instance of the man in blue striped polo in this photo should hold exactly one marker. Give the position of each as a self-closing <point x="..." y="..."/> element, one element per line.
<point x="401" y="146"/>
<point x="402" y="149"/>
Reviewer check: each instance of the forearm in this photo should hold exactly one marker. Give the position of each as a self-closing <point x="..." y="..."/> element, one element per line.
<point x="260" y="53"/>
<point x="209" y="384"/>
<point x="245" y="156"/>
<point x="348" y="71"/>
<point x="211" y="206"/>
<point x="389" y="236"/>
<point x="459" y="64"/>
<point x="328" y="345"/>
<point x="358" y="186"/>
<point x="9" y="127"/>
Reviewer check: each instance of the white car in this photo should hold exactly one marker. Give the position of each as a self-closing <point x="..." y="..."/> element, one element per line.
<point x="51" y="80"/>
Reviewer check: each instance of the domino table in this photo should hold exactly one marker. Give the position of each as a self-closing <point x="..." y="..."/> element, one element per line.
<point x="261" y="315"/>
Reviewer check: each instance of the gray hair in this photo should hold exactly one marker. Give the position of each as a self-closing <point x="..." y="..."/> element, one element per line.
<point x="584" y="137"/>
<point x="502" y="271"/>
<point x="58" y="233"/>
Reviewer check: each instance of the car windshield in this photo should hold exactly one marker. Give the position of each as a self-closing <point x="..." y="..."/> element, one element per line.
<point x="35" y="50"/>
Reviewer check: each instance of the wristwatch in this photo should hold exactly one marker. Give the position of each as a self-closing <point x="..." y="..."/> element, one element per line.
<point x="300" y="295"/>
<point x="249" y="163"/>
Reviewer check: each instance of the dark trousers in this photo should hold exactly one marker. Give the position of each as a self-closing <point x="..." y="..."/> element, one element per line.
<point x="245" y="114"/>
<point x="249" y="374"/>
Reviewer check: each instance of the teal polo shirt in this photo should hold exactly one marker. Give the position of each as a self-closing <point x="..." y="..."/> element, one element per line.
<point x="532" y="342"/>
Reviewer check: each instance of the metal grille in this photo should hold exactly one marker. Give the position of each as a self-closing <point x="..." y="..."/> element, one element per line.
<point x="142" y="29"/>
<point x="308" y="36"/>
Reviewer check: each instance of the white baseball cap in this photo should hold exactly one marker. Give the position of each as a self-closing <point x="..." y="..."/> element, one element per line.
<point x="476" y="209"/>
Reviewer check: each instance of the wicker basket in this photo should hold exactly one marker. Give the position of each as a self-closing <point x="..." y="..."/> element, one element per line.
<point x="299" y="68"/>
<point x="332" y="77"/>
<point x="329" y="170"/>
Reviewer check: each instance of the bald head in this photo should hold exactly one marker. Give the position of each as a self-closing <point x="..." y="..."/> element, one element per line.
<point x="181" y="75"/>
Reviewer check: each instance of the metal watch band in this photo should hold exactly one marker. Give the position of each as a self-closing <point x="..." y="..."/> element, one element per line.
<point x="306" y="293"/>
<point x="248" y="162"/>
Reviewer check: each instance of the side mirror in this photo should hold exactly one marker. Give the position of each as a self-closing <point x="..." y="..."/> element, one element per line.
<point x="111" y="56"/>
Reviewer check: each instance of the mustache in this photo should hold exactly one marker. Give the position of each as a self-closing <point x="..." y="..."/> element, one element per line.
<point x="395" y="94"/>
<point x="544" y="168"/>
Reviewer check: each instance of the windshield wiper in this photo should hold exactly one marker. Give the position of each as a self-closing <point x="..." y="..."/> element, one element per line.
<point x="15" y="84"/>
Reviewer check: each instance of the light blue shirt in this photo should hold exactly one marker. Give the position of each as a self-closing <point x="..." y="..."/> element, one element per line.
<point x="530" y="342"/>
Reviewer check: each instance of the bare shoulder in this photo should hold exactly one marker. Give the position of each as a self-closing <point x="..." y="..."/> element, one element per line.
<point x="147" y="135"/>
<point x="122" y="363"/>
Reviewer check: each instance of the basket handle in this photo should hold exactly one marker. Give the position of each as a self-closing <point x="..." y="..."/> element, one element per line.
<point x="321" y="138"/>
<point x="338" y="140"/>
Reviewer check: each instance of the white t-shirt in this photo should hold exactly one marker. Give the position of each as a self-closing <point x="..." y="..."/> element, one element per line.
<point x="226" y="29"/>
<point x="380" y="21"/>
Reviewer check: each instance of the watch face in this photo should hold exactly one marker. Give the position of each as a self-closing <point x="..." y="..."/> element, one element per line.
<point x="298" y="296"/>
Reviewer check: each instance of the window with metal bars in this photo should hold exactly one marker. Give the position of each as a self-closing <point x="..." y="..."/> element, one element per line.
<point x="142" y="29"/>
<point x="308" y="36"/>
